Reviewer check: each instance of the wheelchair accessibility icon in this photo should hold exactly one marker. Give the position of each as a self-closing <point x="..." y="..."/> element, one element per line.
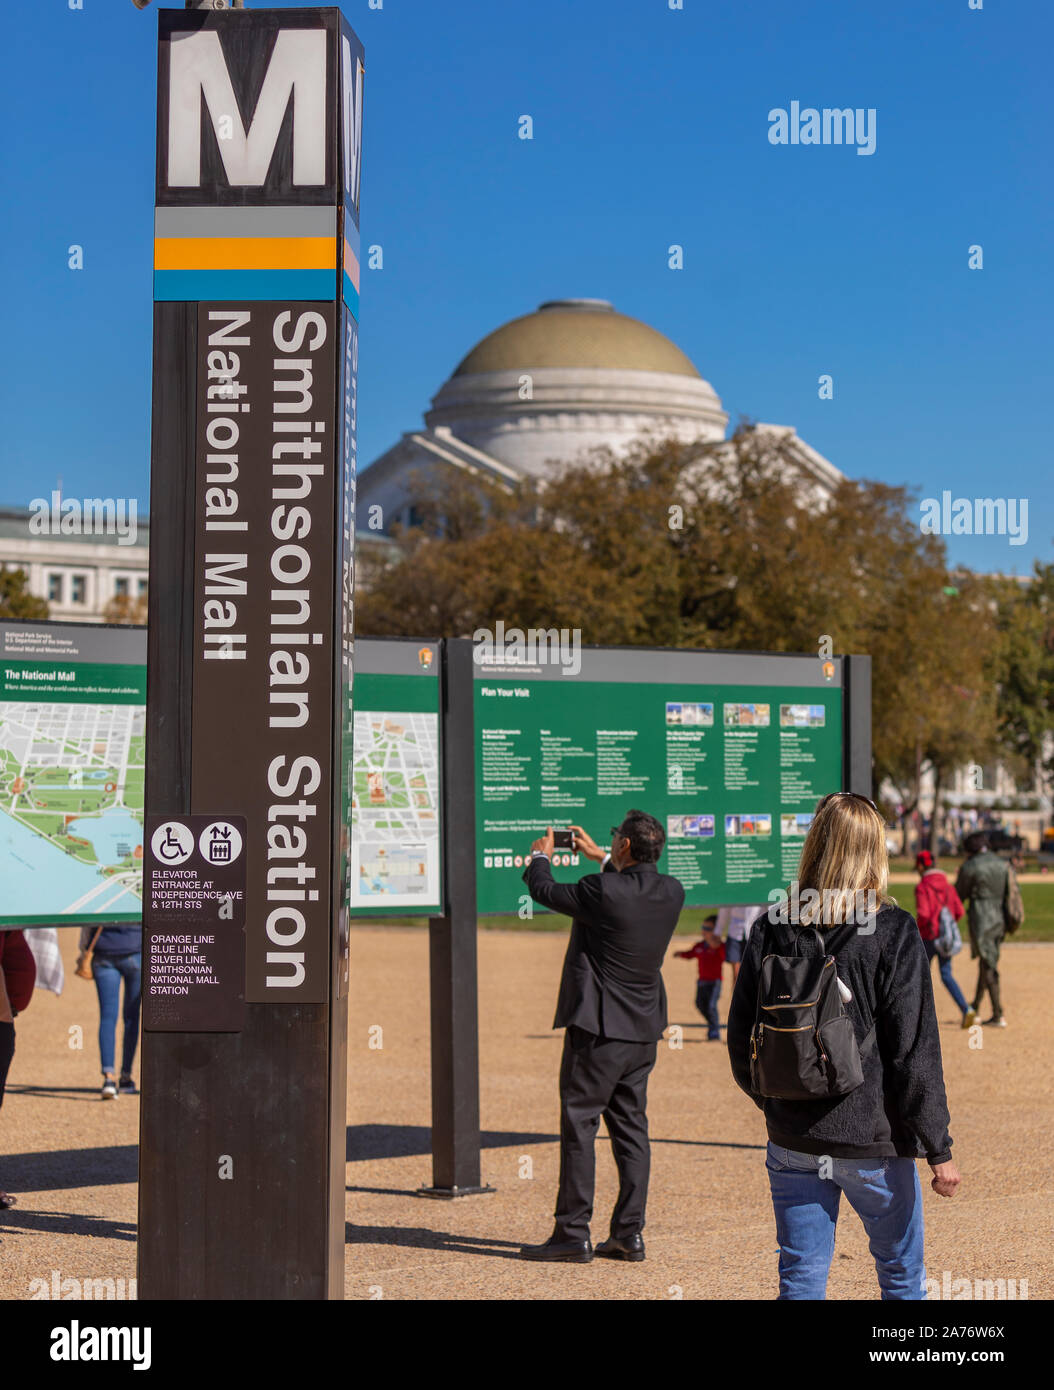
<point x="172" y="843"/>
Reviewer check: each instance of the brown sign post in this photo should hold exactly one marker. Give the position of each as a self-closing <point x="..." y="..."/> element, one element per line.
<point x="250" y="655"/>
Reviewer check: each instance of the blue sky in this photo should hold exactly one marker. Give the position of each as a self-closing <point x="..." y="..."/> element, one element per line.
<point x="650" y="128"/>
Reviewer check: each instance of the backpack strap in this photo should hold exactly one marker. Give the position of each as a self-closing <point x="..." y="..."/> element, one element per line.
<point x="761" y="963"/>
<point x="870" y="1037"/>
<point x="814" y="931"/>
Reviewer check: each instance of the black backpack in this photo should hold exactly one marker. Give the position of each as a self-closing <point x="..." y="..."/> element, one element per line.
<point x="803" y="1046"/>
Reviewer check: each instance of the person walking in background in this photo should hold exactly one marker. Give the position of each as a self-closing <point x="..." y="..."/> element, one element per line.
<point x="116" y="955"/>
<point x="733" y="928"/>
<point x="933" y="892"/>
<point x="983" y="882"/>
<point x="710" y="953"/>
<point x="613" y="1005"/>
<point x="18" y="974"/>
<point x="826" y="1135"/>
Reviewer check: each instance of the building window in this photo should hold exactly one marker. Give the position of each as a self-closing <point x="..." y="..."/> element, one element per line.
<point x="78" y="588"/>
<point x="120" y="587"/>
<point x="142" y="586"/>
<point x="54" y="588"/>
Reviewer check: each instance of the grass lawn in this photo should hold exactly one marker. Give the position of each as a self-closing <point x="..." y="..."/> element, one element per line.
<point x="1038" y="926"/>
<point x="950" y="864"/>
<point x="1039" y="911"/>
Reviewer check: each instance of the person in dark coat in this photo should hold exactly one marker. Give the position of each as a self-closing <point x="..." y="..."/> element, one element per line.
<point x="983" y="881"/>
<point x="18" y="973"/>
<point x="863" y="1143"/>
<point x="613" y="1005"/>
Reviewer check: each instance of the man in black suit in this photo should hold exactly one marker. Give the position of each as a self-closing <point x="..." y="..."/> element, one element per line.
<point x="613" y="1004"/>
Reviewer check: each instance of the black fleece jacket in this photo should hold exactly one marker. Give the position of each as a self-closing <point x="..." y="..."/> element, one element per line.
<point x="901" y="1109"/>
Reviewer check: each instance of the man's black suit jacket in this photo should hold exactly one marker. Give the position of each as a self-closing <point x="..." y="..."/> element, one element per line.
<point x="612" y="980"/>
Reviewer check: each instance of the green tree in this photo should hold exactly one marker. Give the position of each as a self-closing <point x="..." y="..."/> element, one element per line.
<point x="1024" y="616"/>
<point x="960" y="688"/>
<point x="15" y="600"/>
<point x="123" y="608"/>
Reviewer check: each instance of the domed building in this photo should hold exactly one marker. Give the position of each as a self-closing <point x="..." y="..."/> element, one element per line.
<point x="547" y="387"/>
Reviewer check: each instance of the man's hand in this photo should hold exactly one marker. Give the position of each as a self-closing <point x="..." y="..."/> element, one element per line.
<point x="946" y="1179"/>
<point x="545" y="844"/>
<point x="585" y="844"/>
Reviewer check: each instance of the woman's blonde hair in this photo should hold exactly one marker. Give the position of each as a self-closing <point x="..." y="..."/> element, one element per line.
<point x="843" y="861"/>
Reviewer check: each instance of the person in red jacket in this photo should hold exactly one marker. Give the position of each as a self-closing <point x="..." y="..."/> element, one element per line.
<point x="932" y="892"/>
<point x="710" y="953"/>
<point x="18" y="973"/>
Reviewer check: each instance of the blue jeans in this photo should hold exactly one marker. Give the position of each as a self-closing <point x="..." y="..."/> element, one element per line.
<point x="947" y="978"/>
<point x="884" y="1193"/>
<point x="108" y="972"/>
<point x="707" y="993"/>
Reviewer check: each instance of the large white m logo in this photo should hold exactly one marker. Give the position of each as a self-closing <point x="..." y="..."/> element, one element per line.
<point x="297" y="69"/>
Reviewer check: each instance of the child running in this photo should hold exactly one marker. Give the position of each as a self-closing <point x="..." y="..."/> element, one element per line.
<point x="710" y="953"/>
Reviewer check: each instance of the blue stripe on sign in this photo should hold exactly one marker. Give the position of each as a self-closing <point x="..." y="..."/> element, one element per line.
<point x="351" y="296"/>
<point x="193" y="285"/>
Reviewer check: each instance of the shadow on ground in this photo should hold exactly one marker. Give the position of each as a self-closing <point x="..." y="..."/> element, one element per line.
<point x="58" y="1169"/>
<point x="64" y="1223"/>
<point x="415" y="1141"/>
<point x="62" y="1092"/>
<point x="418" y="1238"/>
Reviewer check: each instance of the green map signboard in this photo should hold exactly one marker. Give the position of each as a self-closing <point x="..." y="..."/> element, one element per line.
<point x="395" y="806"/>
<point x="731" y="751"/>
<point x="72" y="762"/>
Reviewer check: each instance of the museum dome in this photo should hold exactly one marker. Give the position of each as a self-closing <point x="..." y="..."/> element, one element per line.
<point x="573" y="376"/>
<point x="576" y="333"/>
<point x="550" y="388"/>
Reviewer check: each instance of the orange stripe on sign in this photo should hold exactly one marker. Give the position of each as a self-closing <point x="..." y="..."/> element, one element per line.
<point x="245" y="253"/>
<point x="351" y="265"/>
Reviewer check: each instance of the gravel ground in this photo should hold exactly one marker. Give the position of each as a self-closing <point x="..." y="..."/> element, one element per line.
<point x="72" y="1159"/>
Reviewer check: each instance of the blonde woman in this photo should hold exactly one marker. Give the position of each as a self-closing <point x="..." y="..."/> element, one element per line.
<point x="862" y="1143"/>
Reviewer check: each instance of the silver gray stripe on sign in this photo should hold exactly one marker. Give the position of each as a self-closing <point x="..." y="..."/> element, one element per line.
<point x="395" y="656"/>
<point x="663" y="666"/>
<point x="45" y="641"/>
<point x="293" y="222"/>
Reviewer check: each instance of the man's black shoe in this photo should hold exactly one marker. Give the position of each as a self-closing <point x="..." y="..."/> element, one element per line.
<point x="574" y="1252"/>
<point x="628" y="1248"/>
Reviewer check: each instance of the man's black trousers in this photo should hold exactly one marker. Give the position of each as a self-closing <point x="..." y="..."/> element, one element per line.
<point x="609" y="1077"/>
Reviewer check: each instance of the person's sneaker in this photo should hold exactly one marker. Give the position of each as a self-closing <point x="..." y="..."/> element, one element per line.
<point x="994" y="1023"/>
<point x="109" y="1088"/>
<point x="969" y="1018"/>
<point x="128" y="1087"/>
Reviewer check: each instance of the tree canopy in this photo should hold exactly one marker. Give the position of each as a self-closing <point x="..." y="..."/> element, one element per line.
<point x="124" y="608"/>
<point x="723" y="547"/>
<point x="15" y="599"/>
